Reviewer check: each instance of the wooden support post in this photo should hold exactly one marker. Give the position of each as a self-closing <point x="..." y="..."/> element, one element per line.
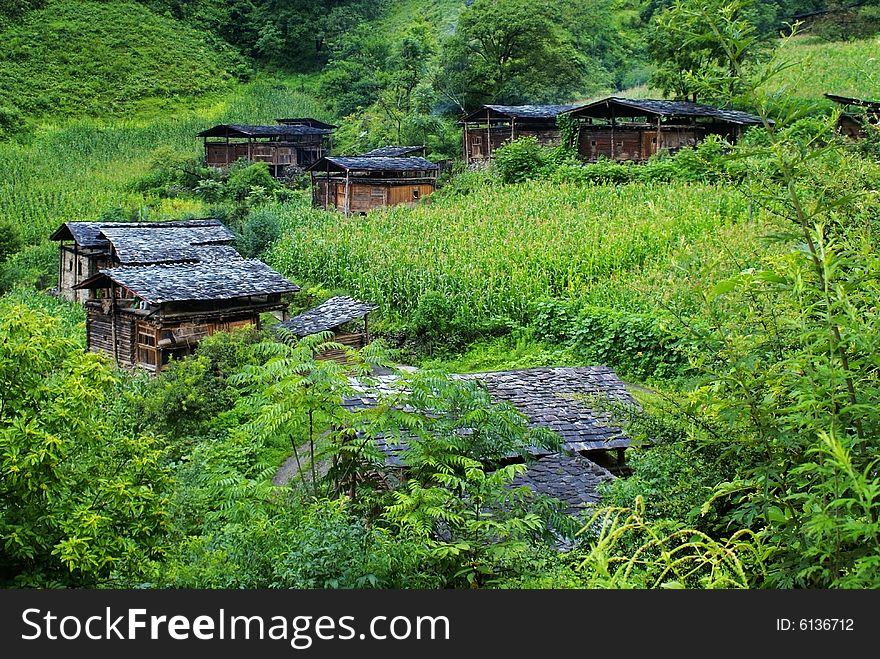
<point x="346" y="203"/>
<point x="60" y="266"/>
<point x="113" y="323"/>
<point x="656" y="150"/>
<point x="488" y="136"/>
<point x="467" y="159"/>
<point x="366" y="330"/>
<point x="612" y="132"/>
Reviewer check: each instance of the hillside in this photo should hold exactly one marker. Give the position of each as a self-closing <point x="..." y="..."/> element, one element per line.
<point x="109" y="58"/>
<point x="846" y="68"/>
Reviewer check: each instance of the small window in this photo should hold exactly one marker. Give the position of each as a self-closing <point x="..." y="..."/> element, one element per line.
<point x="653" y="140"/>
<point x="145" y="339"/>
<point x="79" y="267"/>
<point x="477" y="141"/>
<point x="416" y="193"/>
<point x="593" y="143"/>
<point x="70" y="264"/>
<point x="378" y="193"/>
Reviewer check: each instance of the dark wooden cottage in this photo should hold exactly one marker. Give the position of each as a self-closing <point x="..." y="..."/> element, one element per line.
<point x="358" y="184"/>
<point x="84" y="248"/>
<point x="629" y="129"/>
<point x="287" y="148"/>
<point x="344" y="316"/>
<point x="144" y="315"/>
<point x="856" y="115"/>
<point x="492" y="126"/>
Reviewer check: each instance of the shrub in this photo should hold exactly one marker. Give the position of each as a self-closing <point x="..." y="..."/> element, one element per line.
<point x="519" y="160"/>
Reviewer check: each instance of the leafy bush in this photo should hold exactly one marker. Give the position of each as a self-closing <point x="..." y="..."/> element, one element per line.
<point x="519" y="160"/>
<point x="260" y="229"/>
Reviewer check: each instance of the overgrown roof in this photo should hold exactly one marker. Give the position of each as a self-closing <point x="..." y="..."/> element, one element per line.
<point x="517" y="112"/>
<point x="329" y="314"/>
<point x="204" y="280"/>
<point x="661" y="108"/>
<point x="392" y="151"/>
<point x="561" y="399"/>
<point x="371" y="164"/>
<point x="243" y="130"/>
<point x="572" y="479"/>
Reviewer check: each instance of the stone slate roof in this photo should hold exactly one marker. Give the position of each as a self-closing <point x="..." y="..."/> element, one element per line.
<point x="90" y="234"/>
<point x="306" y="121"/>
<point x="664" y="108"/>
<point x="372" y="164"/>
<point x="164" y="244"/>
<point x="572" y="479"/>
<point x="334" y="312"/>
<point x="245" y="130"/>
<point x="857" y="102"/>
<point x="557" y="398"/>
<point x="519" y="111"/>
<point x="204" y="280"/>
<point x="392" y="152"/>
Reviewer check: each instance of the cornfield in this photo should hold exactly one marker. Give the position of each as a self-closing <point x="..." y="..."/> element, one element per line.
<point x="494" y="254"/>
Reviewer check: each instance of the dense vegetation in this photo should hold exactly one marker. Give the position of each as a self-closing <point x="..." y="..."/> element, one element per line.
<point x="739" y="283"/>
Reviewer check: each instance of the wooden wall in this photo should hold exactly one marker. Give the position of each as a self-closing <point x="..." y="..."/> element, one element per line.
<point x="635" y="144"/>
<point x="276" y="154"/>
<point x="478" y="140"/>
<point x="366" y="196"/>
<point x="149" y="343"/>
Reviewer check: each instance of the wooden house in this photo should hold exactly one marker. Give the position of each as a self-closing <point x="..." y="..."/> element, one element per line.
<point x="492" y="126"/>
<point x="84" y="248"/>
<point x="288" y="148"/>
<point x="344" y="316"/>
<point x="629" y="129"/>
<point x="144" y="315"/>
<point x="358" y="184"/>
<point x="856" y="114"/>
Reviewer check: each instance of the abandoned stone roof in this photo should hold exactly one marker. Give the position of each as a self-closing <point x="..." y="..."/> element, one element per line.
<point x="165" y="244"/>
<point x="572" y="479"/>
<point x="662" y="108"/>
<point x="372" y="164"/>
<point x="203" y="280"/>
<point x="559" y="398"/>
<point x="90" y="234"/>
<point x="556" y="398"/>
<point x="518" y="112"/>
<point x="245" y="130"/>
<point x="392" y="152"/>
<point x="330" y="314"/>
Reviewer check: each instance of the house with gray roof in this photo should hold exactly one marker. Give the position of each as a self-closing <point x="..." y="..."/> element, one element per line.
<point x="153" y="290"/>
<point x="287" y="148"/>
<point x="634" y="129"/>
<point x="487" y="129"/>
<point x="86" y="247"/>
<point x="357" y="184"/>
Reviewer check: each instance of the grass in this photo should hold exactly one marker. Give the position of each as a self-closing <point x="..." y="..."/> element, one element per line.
<point x="110" y="58"/>
<point x="846" y="68"/>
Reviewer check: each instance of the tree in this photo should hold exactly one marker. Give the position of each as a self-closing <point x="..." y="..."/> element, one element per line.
<point x="80" y="501"/>
<point x="509" y="51"/>
<point x="699" y="47"/>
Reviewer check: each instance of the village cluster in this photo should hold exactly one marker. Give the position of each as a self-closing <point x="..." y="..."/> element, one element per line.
<point x="153" y="290"/>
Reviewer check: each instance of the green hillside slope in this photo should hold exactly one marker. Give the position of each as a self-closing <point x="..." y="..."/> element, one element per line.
<point x="99" y="58"/>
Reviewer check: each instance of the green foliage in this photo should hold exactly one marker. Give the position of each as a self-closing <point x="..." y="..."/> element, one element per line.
<point x="260" y="229"/>
<point x="10" y="240"/>
<point x="82" y="503"/>
<point x="100" y="58"/>
<point x="519" y="160"/>
<point x="699" y="47"/>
